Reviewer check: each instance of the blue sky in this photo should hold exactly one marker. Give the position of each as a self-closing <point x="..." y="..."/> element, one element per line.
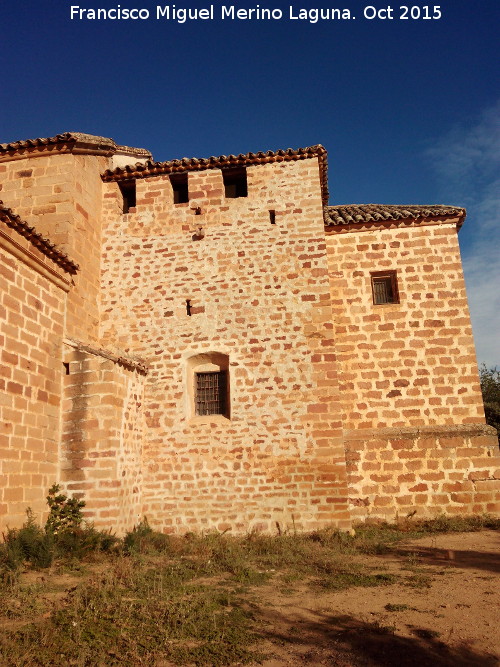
<point x="408" y="109"/>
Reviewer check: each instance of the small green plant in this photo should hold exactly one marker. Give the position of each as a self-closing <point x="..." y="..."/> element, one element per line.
<point x="65" y="513"/>
<point x="397" y="607"/>
<point x="380" y="629"/>
<point x="419" y="581"/>
<point x="27" y="544"/>
<point x="143" y="539"/>
<point x="425" y="633"/>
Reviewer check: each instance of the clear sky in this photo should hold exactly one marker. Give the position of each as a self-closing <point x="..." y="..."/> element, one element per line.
<point x="407" y="108"/>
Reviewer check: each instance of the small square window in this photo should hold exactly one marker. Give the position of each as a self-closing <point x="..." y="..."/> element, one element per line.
<point x="180" y="188"/>
<point x="211" y="393"/>
<point x="384" y="287"/>
<point x="235" y="183"/>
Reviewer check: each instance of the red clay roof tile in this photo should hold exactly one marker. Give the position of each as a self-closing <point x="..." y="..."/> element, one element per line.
<point x="363" y="213"/>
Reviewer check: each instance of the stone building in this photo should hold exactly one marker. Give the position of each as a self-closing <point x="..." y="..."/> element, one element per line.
<point x="207" y="343"/>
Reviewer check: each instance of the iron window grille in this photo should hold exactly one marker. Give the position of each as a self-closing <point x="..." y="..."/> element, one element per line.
<point x="384" y="287"/>
<point x="211" y="393"/>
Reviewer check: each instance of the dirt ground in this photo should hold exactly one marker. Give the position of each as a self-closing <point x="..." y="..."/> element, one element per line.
<point x="438" y="606"/>
<point x="445" y="611"/>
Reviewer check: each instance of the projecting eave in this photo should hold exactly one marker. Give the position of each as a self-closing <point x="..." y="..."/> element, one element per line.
<point x="360" y="216"/>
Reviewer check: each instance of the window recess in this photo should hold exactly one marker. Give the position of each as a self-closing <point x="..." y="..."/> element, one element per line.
<point x="180" y="188"/>
<point x="384" y="287"/>
<point x="128" y="192"/>
<point x="235" y="183"/>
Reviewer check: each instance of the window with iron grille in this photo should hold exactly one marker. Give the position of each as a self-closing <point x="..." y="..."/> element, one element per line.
<point x="384" y="287"/>
<point x="211" y="393"/>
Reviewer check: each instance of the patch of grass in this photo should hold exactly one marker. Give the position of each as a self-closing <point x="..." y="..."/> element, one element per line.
<point x="379" y="537"/>
<point x="419" y="581"/>
<point x="182" y="599"/>
<point x="130" y="616"/>
<point x="143" y="539"/>
<point x="381" y="629"/>
<point x="291" y="577"/>
<point x="39" y="548"/>
<point x="342" y="580"/>
<point x="459" y="524"/>
<point x="425" y="633"/>
<point x="23" y="601"/>
<point x="397" y="607"/>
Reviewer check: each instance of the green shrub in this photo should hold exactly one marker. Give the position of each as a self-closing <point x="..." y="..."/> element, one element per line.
<point x="143" y="539"/>
<point x="28" y="544"/>
<point x="490" y="388"/>
<point x="65" y="513"/>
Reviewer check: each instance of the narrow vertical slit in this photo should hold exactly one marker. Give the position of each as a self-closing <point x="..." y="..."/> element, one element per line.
<point x="66" y="367"/>
<point x="272" y="217"/>
<point x="188" y="307"/>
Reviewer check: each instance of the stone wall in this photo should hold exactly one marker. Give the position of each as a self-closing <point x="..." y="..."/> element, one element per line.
<point x="61" y="194"/>
<point x="423" y="471"/>
<point x="32" y="305"/>
<point x="317" y="373"/>
<point x="101" y="451"/>
<point x="414" y="428"/>
<point x="259" y="293"/>
<point x="410" y="363"/>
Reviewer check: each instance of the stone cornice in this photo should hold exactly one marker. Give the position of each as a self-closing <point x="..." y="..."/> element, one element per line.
<point x="127" y="362"/>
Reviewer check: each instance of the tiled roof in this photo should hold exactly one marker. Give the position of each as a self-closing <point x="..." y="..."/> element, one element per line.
<point x="75" y="141"/>
<point x="363" y="213"/>
<point x="65" y="137"/>
<point x="35" y="238"/>
<point x="148" y="169"/>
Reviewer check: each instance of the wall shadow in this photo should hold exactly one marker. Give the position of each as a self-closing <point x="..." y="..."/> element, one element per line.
<point x="478" y="560"/>
<point x="347" y="641"/>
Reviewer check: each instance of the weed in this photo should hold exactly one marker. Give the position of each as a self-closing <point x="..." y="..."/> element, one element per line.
<point x="380" y="629"/>
<point x="397" y="607"/>
<point x="425" y="633"/>
<point x="29" y="543"/>
<point x="418" y="581"/>
<point x="143" y="539"/>
<point x="460" y="524"/>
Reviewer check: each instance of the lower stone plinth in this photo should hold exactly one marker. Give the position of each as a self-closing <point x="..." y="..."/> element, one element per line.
<point x="423" y="471"/>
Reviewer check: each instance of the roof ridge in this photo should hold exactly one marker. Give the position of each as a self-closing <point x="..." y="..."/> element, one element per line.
<point x="40" y="141"/>
<point x="80" y="141"/>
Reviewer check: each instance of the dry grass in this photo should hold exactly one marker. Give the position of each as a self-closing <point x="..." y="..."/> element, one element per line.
<point x="151" y="599"/>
